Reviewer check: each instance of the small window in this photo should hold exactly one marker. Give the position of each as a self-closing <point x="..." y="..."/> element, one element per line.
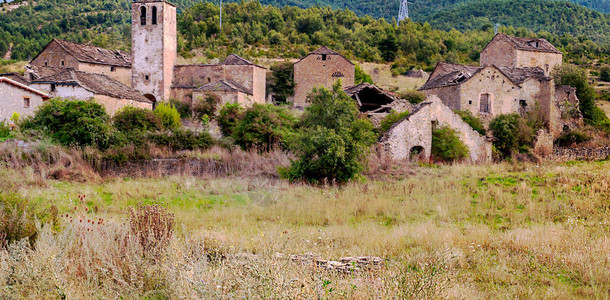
<point x="154" y="15"/>
<point x="63" y="63"/>
<point x="26" y="102"/>
<point x="470" y="102"/>
<point x="146" y="77"/>
<point x="53" y="87"/>
<point x="112" y="69"/>
<point x="143" y="15"/>
<point x="46" y="63"/>
<point x="324" y="57"/>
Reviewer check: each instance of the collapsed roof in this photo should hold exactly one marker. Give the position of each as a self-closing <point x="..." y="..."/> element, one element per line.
<point x="371" y="98"/>
<point x="224" y="86"/>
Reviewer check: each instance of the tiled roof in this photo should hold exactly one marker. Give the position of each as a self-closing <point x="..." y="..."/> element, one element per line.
<point x="520" y="75"/>
<point x="235" y="59"/>
<point x="95" y="55"/>
<point x="24" y="87"/>
<point x="224" y="86"/>
<point x="99" y="84"/>
<point x="443" y="68"/>
<point x="16" y="77"/>
<point x="528" y="44"/>
<point x="324" y="51"/>
<point x="450" y="75"/>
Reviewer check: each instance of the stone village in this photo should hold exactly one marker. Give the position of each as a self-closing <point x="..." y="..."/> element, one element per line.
<point x="513" y="77"/>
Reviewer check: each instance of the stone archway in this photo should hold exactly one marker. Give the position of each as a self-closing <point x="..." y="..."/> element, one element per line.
<point x="151" y="98"/>
<point x="416" y="153"/>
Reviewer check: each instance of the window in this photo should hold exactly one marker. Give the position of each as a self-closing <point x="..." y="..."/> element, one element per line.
<point x="143" y="15"/>
<point x="484" y="101"/>
<point x="112" y="69"/>
<point x="154" y="15"/>
<point x="32" y="77"/>
<point x="63" y="63"/>
<point x="46" y="63"/>
<point x="53" y="87"/>
<point x="522" y="106"/>
<point x="146" y="77"/>
<point x="324" y="57"/>
<point x="26" y="102"/>
<point x="470" y="102"/>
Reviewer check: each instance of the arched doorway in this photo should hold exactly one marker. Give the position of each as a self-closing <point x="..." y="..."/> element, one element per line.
<point x="151" y="98"/>
<point x="416" y="153"/>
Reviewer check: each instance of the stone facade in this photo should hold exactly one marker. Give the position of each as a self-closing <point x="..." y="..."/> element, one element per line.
<point x="516" y="52"/>
<point x="252" y="77"/>
<point x="154" y="47"/>
<point x="18" y="98"/>
<point x="414" y="133"/>
<point x="321" y="68"/>
<point x="60" y="54"/>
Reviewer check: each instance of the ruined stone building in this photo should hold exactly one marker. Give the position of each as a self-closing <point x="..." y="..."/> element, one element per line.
<point x="150" y="70"/>
<point x="516" y="52"/>
<point x="513" y="78"/>
<point x="234" y="73"/>
<point x="106" y="91"/>
<point x="375" y="102"/>
<point x="321" y="68"/>
<point x="411" y="137"/>
<point x="58" y="54"/>
<point x="18" y="98"/>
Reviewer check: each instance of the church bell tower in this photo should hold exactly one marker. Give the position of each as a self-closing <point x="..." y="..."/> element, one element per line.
<point x="153" y="47"/>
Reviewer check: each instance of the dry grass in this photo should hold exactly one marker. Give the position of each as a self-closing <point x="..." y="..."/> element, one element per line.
<point x="468" y="232"/>
<point x="382" y="76"/>
<point x="605" y="106"/>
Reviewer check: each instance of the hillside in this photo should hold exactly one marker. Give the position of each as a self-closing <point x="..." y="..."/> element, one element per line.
<point x="552" y="16"/>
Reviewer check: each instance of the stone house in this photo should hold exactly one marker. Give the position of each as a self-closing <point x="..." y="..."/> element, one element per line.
<point x="517" y="52"/>
<point x="16" y="97"/>
<point x="226" y="91"/>
<point x="16" y="77"/>
<point x="108" y="92"/>
<point x="412" y="136"/>
<point x="321" y="68"/>
<point x="233" y="74"/>
<point x="58" y="54"/>
<point x="375" y="102"/>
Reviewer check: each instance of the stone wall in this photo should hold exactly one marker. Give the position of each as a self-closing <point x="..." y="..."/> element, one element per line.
<point x="450" y="95"/>
<point x="113" y="105"/>
<point x="313" y="72"/>
<point x="416" y="131"/>
<point x="502" y="92"/>
<point x="569" y="154"/>
<point x="120" y="74"/>
<point x="64" y="91"/>
<point x="543" y="60"/>
<point x="499" y="53"/>
<point x="12" y="101"/>
<point x="53" y="55"/>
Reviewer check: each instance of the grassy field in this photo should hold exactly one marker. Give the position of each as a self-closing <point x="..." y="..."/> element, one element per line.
<point x="468" y="232"/>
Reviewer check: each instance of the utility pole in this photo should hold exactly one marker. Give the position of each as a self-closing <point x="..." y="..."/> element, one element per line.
<point x="403" y="12"/>
<point x="496" y="28"/>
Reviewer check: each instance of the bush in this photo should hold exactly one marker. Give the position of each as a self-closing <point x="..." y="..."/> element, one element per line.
<point x="604" y="74"/>
<point x="264" y="126"/>
<point x="153" y="227"/>
<point x="504" y="129"/>
<point x="181" y="139"/>
<point x="136" y="119"/>
<point x="361" y="76"/>
<point x="571" y="138"/>
<point x="447" y="146"/>
<point x="577" y="78"/>
<point x="471" y="120"/>
<point x="414" y="97"/>
<point x="184" y="109"/>
<point x="169" y="116"/>
<point x="72" y="122"/>
<point x="333" y="141"/>
<point x="17" y="220"/>
<point x="228" y="117"/>
<point x="5" y="131"/>
<point x="391" y="119"/>
<point x="206" y="106"/>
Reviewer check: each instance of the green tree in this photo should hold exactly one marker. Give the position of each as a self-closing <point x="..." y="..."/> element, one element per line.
<point x="264" y="126"/>
<point x="361" y="76"/>
<point x="169" y="115"/>
<point x="389" y="47"/>
<point x="71" y="122"/>
<point x="333" y="141"/>
<point x="576" y="77"/>
<point x="228" y="117"/>
<point x="131" y="118"/>
<point x="504" y="129"/>
<point x="447" y="146"/>
<point x="280" y="81"/>
<point x="604" y="74"/>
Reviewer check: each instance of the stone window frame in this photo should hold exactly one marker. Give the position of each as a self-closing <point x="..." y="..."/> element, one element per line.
<point x="26" y="102"/>
<point x="143" y="15"/>
<point x="153" y="16"/>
